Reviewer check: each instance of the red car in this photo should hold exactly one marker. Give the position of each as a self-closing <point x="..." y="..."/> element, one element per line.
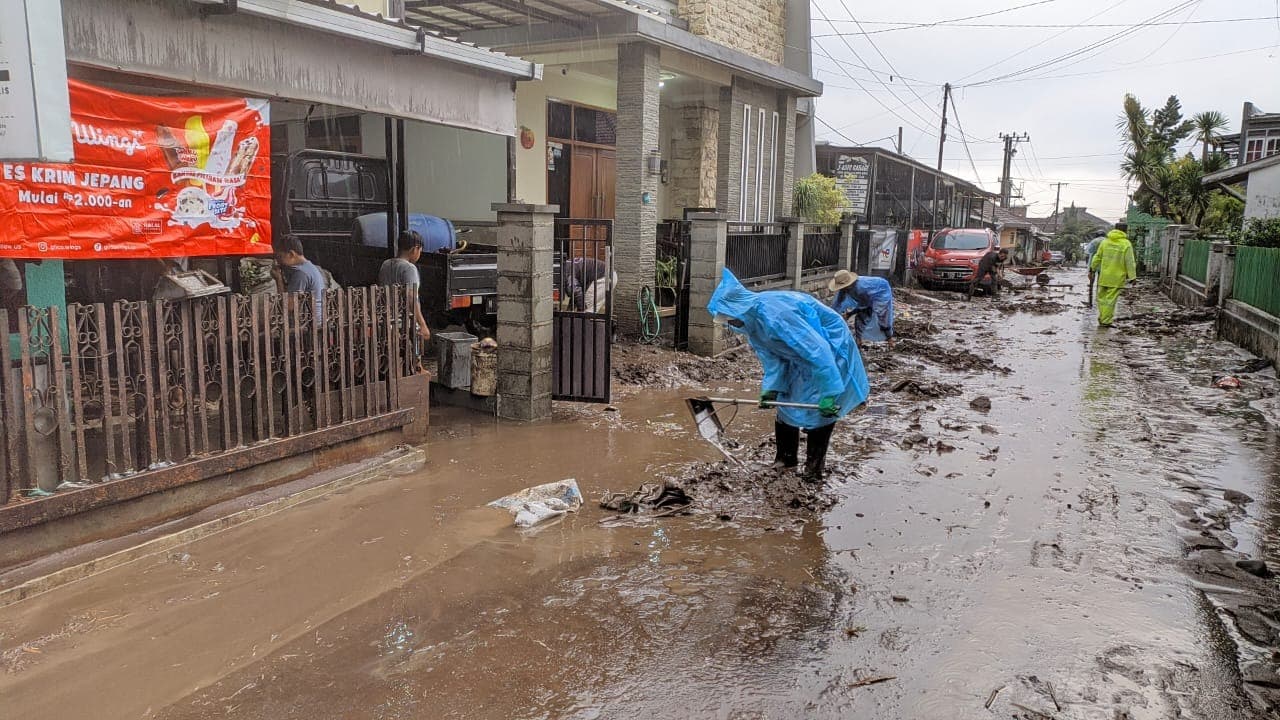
<point x="951" y="257"/>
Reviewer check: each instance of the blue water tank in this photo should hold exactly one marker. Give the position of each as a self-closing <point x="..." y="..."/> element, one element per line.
<point x="437" y="233"/>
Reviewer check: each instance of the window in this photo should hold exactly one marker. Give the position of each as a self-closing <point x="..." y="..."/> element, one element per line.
<point x="962" y="240"/>
<point x="1254" y="150"/>
<point x="759" y="166"/>
<point x="1273" y="147"/>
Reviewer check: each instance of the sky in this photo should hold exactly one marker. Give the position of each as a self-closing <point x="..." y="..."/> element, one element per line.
<point x="1063" y="85"/>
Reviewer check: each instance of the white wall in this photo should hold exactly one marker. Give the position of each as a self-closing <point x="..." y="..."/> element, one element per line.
<point x="1263" y="198"/>
<point x="531" y="112"/>
<point x="454" y="173"/>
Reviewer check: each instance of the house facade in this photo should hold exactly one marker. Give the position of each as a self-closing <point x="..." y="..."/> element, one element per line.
<point x="1259" y="136"/>
<point x="647" y="108"/>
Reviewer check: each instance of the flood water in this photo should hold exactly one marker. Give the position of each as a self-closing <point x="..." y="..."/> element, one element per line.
<point x="1063" y="550"/>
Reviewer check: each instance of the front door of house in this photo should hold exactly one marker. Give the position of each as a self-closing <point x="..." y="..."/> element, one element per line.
<point x="591" y="181"/>
<point x="582" y="161"/>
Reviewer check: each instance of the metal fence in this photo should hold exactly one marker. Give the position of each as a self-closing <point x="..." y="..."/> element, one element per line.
<point x="1195" y="259"/>
<point x="1255" y="282"/>
<point x="757" y="251"/>
<point x="821" y="248"/>
<point x="112" y="391"/>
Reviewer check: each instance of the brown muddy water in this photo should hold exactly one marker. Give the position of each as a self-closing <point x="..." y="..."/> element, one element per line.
<point x="1068" y="553"/>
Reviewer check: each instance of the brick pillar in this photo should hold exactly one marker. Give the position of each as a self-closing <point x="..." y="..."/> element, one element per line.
<point x="708" y="235"/>
<point x="1212" y="279"/>
<point x="795" y="250"/>
<point x="847" y="226"/>
<point x="525" y="239"/>
<point x="635" y="228"/>
<point x="1226" y="274"/>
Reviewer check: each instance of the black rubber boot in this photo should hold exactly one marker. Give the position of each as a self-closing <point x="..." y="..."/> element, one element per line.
<point x="787" y="439"/>
<point x="815" y="451"/>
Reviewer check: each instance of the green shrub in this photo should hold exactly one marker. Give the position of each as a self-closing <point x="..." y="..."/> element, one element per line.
<point x="817" y="199"/>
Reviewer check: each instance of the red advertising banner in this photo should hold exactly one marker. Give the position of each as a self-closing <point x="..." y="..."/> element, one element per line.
<point x="154" y="177"/>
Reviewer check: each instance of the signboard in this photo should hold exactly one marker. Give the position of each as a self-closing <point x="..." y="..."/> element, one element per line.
<point x="154" y="177"/>
<point x="35" y="122"/>
<point x="853" y="177"/>
<point x="884" y="248"/>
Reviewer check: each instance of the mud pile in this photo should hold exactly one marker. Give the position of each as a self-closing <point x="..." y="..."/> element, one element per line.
<point x="1035" y="306"/>
<point x="957" y="359"/>
<point x="659" y="367"/>
<point x="1166" y="321"/>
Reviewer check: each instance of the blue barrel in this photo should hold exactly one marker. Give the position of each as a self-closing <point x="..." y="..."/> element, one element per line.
<point x="437" y="233"/>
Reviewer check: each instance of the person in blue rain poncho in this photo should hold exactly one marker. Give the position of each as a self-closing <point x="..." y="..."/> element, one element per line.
<point x="869" y="300"/>
<point x="808" y="355"/>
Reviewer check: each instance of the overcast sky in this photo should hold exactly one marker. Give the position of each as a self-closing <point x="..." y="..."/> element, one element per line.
<point x="1069" y="108"/>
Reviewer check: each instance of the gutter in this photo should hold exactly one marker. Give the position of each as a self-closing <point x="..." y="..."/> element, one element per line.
<point x="400" y="37"/>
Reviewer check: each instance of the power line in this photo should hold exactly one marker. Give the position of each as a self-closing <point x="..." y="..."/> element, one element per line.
<point x="1042" y="42"/>
<point x="885" y="58"/>
<point x="859" y="84"/>
<point x="1158" y="48"/>
<point x="959" y="19"/>
<point x="851" y="140"/>
<point x="1137" y="27"/>
<point x="1092" y="73"/>
<point x="1037" y="26"/>
<point x="965" y="141"/>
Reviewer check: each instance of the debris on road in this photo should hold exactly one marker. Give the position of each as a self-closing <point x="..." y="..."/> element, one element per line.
<point x="1226" y="382"/>
<point x="661" y="499"/>
<point x="981" y="403"/>
<point x="992" y="697"/>
<point x="872" y="681"/>
<point x="541" y="502"/>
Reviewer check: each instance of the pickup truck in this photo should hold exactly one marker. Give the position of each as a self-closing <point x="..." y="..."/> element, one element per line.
<point x="336" y="203"/>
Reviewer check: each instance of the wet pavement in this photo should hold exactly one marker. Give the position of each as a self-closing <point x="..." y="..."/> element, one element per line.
<point x="1069" y="552"/>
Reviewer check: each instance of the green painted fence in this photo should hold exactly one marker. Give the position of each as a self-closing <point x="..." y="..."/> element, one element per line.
<point x="1195" y="259"/>
<point x="1257" y="279"/>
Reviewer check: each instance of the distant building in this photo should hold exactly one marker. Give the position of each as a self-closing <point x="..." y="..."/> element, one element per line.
<point x="1259" y="136"/>
<point x="1056" y="221"/>
<point x="1261" y="181"/>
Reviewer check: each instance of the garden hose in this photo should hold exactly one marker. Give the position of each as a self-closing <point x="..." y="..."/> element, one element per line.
<point x="650" y="321"/>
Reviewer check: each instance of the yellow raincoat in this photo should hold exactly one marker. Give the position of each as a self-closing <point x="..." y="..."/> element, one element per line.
<point x="1115" y="265"/>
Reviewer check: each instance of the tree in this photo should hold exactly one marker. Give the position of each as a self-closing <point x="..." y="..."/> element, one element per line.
<point x="1169" y="186"/>
<point x="817" y="199"/>
<point x="1209" y="126"/>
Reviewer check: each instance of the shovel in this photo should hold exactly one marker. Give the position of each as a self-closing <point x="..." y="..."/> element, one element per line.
<point x="707" y="418"/>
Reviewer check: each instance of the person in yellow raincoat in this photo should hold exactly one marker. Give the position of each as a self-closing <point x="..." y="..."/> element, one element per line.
<point x="1114" y="265"/>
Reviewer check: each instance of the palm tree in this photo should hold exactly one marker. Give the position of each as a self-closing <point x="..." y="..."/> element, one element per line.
<point x="1208" y="127"/>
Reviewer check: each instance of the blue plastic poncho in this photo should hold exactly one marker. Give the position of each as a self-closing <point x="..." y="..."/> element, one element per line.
<point x="806" y="349"/>
<point x="872" y="299"/>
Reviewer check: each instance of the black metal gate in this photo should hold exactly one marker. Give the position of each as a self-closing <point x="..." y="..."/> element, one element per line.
<point x="582" y="325"/>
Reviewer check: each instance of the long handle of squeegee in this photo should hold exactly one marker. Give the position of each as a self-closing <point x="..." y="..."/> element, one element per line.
<point x="768" y="403"/>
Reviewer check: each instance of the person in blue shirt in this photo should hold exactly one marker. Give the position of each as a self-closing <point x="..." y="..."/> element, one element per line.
<point x="808" y="355"/>
<point x="869" y="300"/>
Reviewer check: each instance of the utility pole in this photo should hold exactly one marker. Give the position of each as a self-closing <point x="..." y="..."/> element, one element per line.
<point x="899" y="139"/>
<point x="1006" y="182"/>
<point x="942" y="134"/>
<point x="1057" y="199"/>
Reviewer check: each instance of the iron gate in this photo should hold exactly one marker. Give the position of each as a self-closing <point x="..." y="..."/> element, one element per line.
<point x="582" y="325"/>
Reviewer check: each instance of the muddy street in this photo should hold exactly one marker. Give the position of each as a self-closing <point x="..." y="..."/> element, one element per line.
<point x="1033" y="518"/>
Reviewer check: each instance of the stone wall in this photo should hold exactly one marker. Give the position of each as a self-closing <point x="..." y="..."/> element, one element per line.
<point x="755" y="27"/>
<point x="694" y="152"/>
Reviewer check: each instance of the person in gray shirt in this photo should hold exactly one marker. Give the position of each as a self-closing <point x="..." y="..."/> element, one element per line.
<point x="293" y="273"/>
<point x="403" y="270"/>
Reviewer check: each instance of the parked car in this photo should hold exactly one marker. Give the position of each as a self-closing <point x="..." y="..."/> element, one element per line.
<point x="1057" y="257"/>
<point x="951" y="257"/>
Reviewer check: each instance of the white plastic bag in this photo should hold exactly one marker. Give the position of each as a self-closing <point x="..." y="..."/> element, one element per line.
<point x="541" y="502"/>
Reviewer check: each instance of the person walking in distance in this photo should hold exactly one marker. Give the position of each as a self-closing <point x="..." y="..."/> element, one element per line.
<point x="1114" y="266"/>
<point x="808" y="356"/>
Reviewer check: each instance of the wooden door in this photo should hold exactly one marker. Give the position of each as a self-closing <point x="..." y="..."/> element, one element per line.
<point x="582" y="183"/>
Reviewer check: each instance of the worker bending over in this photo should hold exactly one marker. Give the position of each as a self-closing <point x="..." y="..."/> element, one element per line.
<point x="808" y="356"/>
<point x="869" y="300"/>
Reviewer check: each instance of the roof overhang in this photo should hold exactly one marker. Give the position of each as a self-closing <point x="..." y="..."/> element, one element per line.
<point x="618" y="28"/>
<point x="1239" y="173"/>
